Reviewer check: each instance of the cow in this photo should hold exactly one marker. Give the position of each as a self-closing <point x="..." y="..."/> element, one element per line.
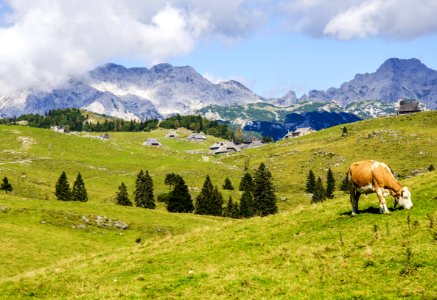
<point x="369" y="176"/>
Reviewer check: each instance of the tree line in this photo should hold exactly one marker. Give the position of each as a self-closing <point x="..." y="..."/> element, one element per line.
<point x="258" y="198"/>
<point x="199" y="124"/>
<point x="72" y="119"/>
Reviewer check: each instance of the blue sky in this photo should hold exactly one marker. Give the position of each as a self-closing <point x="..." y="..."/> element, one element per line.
<point x="271" y="65"/>
<point x="270" y="46"/>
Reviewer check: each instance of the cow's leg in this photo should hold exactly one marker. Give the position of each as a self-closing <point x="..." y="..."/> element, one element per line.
<point x="382" y="204"/>
<point x="354" y="197"/>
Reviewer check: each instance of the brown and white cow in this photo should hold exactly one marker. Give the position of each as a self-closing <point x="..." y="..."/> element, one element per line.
<point x="369" y="176"/>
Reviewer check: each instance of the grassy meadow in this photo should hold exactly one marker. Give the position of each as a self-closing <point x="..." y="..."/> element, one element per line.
<point x="305" y="251"/>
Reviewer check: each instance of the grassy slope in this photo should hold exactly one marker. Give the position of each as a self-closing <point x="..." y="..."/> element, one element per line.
<point x="305" y="251"/>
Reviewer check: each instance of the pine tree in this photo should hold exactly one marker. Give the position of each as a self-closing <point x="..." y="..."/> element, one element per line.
<point x="6" y="186"/>
<point x="235" y="211"/>
<point x="63" y="188"/>
<point x="311" y="182"/>
<point x="149" y="196"/>
<point x="139" y="189"/>
<point x="122" y="197"/>
<point x="79" y="192"/>
<point x="216" y="203"/>
<point x="246" y="183"/>
<point x="170" y="180"/>
<point x="344" y="186"/>
<point x="263" y="192"/>
<point x="179" y="199"/>
<point x="246" y="205"/>
<point x="330" y="184"/>
<point x="144" y="191"/>
<point x="227" y="211"/>
<point x="319" y="193"/>
<point x="203" y="200"/>
<point x="228" y="184"/>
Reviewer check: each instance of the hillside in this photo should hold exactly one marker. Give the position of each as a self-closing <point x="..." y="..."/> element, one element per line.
<point x="306" y="251"/>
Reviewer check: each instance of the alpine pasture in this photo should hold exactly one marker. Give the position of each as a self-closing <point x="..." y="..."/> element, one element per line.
<point x="305" y="251"/>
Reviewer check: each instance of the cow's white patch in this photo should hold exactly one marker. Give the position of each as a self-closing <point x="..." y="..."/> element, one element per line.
<point x="377" y="164"/>
<point x="366" y="189"/>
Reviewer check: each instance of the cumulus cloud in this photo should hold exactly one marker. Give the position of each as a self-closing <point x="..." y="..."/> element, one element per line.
<point x="399" y="19"/>
<point x="43" y="42"/>
<point x="349" y="19"/>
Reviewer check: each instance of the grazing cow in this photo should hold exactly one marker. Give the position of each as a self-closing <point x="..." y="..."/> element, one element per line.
<point x="369" y="176"/>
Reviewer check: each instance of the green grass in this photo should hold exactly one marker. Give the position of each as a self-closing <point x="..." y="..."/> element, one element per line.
<point x="306" y="251"/>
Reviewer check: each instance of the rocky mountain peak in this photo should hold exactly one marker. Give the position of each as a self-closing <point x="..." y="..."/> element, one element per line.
<point x="397" y="65"/>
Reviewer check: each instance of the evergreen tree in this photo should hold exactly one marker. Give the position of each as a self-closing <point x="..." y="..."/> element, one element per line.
<point x="170" y="179"/>
<point x="216" y="203"/>
<point x="227" y="211"/>
<point x="319" y="193"/>
<point x="235" y="211"/>
<point x="6" y="186"/>
<point x="179" y="199"/>
<point x="150" y="198"/>
<point x="246" y="205"/>
<point x="231" y="210"/>
<point x="210" y="200"/>
<point x="63" y="188"/>
<point x="122" y="197"/>
<point x="144" y="191"/>
<point x="344" y="186"/>
<point x="139" y="189"/>
<point x="330" y="184"/>
<point x="203" y="200"/>
<point x="311" y="182"/>
<point x="263" y="192"/>
<point x="79" y="192"/>
<point x="246" y="183"/>
<point x="228" y="184"/>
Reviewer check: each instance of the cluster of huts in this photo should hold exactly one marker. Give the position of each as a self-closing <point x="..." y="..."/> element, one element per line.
<point x="405" y="107"/>
<point x="223" y="147"/>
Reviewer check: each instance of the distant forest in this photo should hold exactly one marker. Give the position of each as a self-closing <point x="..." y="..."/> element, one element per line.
<point x="71" y="119"/>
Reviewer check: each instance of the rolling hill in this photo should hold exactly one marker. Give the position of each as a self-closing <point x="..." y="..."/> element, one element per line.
<point x="305" y="251"/>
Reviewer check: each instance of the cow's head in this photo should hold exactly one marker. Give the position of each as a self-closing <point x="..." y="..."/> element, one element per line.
<point x="403" y="198"/>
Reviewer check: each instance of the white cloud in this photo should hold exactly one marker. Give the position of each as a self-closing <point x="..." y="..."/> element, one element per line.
<point x="400" y="19"/>
<point x="43" y="42"/>
<point x="349" y="19"/>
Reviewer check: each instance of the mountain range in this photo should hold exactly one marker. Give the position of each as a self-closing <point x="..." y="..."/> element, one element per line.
<point x="142" y="93"/>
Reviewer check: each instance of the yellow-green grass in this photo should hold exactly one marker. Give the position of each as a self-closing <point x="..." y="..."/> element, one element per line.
<point x="305" y="251"/>
<point x="34" y="166"/>
<point x="313" y="251"/>
<point x="406" y="143"/>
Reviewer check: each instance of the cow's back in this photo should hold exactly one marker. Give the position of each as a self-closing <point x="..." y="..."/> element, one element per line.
<point x="360" y="173"/>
